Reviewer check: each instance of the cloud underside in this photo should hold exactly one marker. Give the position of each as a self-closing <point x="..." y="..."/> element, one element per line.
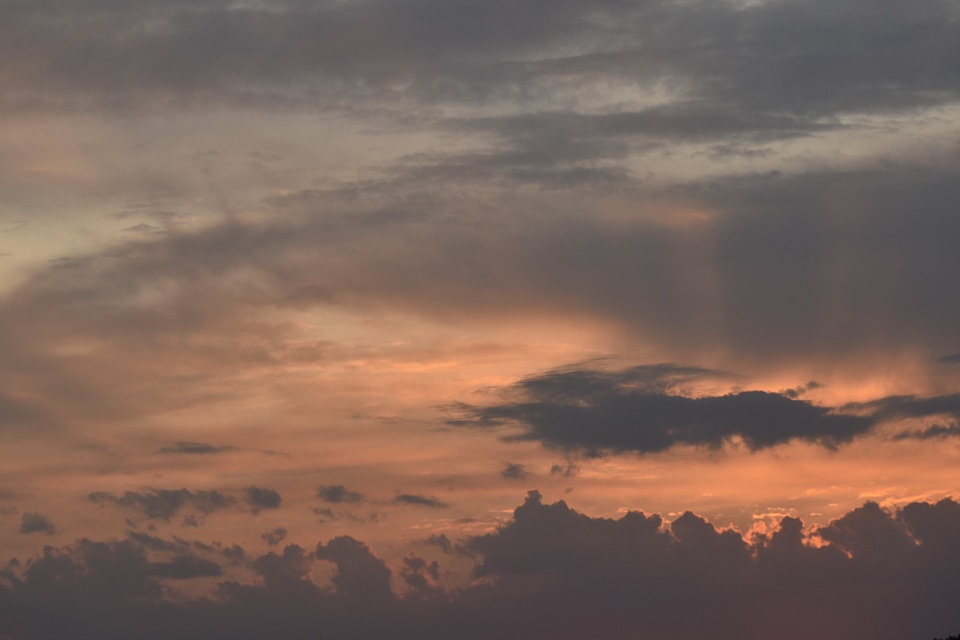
<point x="548" y="572"/>
<point x="773" y="273"/>
<point x="641" y="409"/>
<point x="773" y="65"/>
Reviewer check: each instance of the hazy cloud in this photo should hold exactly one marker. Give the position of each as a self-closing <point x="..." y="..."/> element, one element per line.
<point x="337" y="493"/>
<point x="274" y="536"/>
<point x="163" y="504"/>
<point x="419" y="500"/>
<point x="192" y="448"/>
<point x="263" y="498"/>
<point x="514" y="471"/>
<point x="36" y="523"/>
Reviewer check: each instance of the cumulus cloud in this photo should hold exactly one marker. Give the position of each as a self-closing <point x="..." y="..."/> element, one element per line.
<point x="549" y="571"/>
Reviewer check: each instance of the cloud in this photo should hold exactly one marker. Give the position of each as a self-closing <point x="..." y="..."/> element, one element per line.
<point x="933" y="432"/>
<point x="36" y="523"/>
<point x="262" y="498"/>
<point x="274" y="536"/>
<point x="192" y="448"/>
<point x="724" y="62"/>
<point x="549" y="571"/>
<point x="639" y="409"/>
<point x="514" y="471"/>
<point x="420" y="500"/>
<point x="360" y="574"/>
<point x="163" y="504"/>
<point x="337" y="493"/>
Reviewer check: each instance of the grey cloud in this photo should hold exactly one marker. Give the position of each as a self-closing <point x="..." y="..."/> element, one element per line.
<point x="636" y="409"/>
<point x="36" y="523"/>
<point x="163" y="504"/>
<point x="514" y="471"/>
<point x="418" y="500"/>
<point x="263" y="498"/>
<point x="933" y="432"/>
<point x="360" y="574"/>
<point x="185" y="567"/>
<point x="192" y="448"/>
<point x="549" y="571"/>
<point x="951" y="359"/>
<point x="274" y="536"/>
<point x="771" y="58"/>
<point x="337" y="493"/>
<point x="776" y="271"/>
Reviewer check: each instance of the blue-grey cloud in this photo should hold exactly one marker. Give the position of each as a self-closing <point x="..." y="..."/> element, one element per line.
<point x="638" y="409"/>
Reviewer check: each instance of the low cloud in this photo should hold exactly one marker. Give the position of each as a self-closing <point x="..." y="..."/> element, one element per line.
<point x="337" y="493"/>
<point x="262" y="498"/>
<point x="36" y="523"/>
<point x="192" y="448"/>
<point x="642" y="409"/>
<point x="274" y="537"/>
<point x="513" y="471"/>
<point x="163" y="504"/>
<point x="419" y="500"/>
<point x="549" y="571"/>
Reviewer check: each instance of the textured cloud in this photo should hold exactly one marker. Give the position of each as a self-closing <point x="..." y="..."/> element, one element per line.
<point x="418" y="500"/>
<point x="36" y="523"/>
<point x="513" y="471"/>
<point x="163" y="504"/>
<point x="725" y="62"/>
<point x="262" y="498"/>
<point x="547" y="572"/>
<point x="274" y="536"/>
<point x="337" y="493"/>
<point x="639" y="409"/>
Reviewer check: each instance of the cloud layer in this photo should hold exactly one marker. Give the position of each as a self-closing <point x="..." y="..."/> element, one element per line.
<point x="548" y="572"/>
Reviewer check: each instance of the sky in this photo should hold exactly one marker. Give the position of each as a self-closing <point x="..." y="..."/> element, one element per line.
<point x="434" y="319"/>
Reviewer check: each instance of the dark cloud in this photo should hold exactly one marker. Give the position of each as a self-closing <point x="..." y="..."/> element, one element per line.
<point x="933" y="432"/>
<point x="951" y="359"/>
<point x="360" y="574"/>
<point x="163" y="504"/>
<point x="36" y="523"/>
<point x="639" y="409"/>
<point x="800" y="62"/>
<point x="337" y="493"/>
<point x="550" y="571"/>
<point x="419" y="500"/>
<point x="192" y="448"/>
<point x="514" y="471"/>
<point x="263" y="498"/>
<point x="274" y="536"/>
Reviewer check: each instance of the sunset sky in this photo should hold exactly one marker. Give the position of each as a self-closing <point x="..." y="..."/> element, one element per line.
<point x="454" y="319"/>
